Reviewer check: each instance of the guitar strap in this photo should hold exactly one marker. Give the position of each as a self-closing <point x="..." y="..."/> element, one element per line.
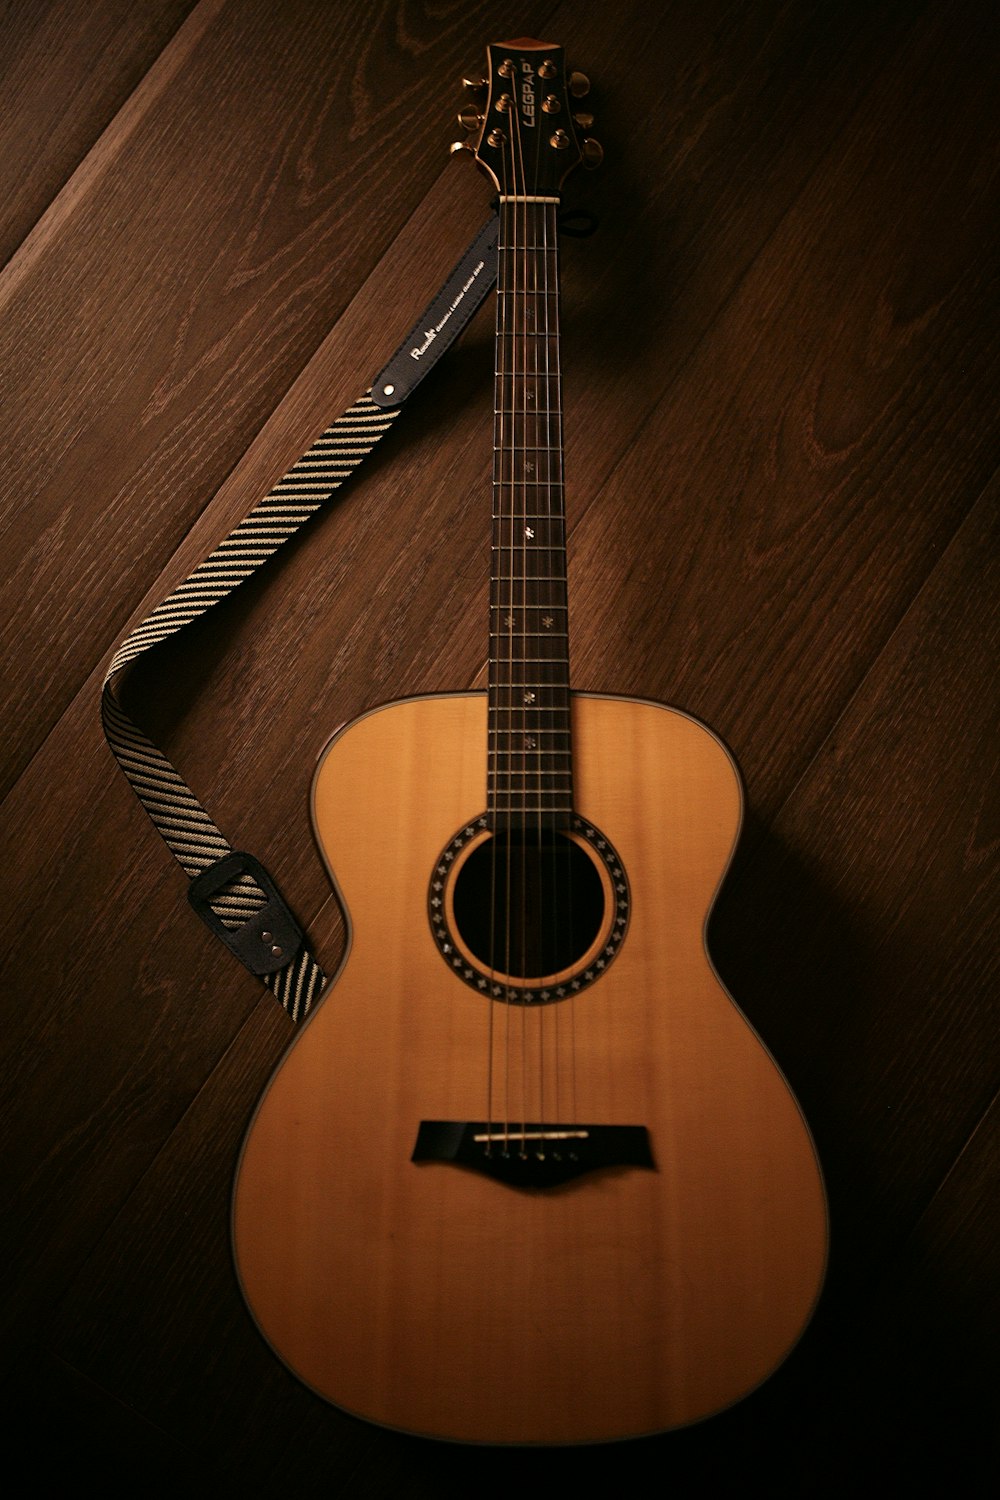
<point x="230" y="890"/>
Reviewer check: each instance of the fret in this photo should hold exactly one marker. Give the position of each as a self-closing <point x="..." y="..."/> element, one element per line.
<point x="525" y="548"/>
<point x="530" y="754"/>
<point x="533" y="793"/>
<point x="529" y="661"/>
<point x="528" y="709"/>
<point x="526" y="717"/>
<point x="550" y="777"/>
<point x="524" y="797"/>
<point x="525" y="599"/>
<point x="522" y="604"/>
<point x="535" y="577"/>
<point x="531" y="807"/>
<point x="549" y="773"/>
<point x="516" y="578"/>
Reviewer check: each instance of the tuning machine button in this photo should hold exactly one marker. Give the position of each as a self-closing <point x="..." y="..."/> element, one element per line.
<point x="593" y="153"/>
<point x="579" y="85"/>
<point x="469" y="118"/>
<point x="581" y="118"/>
<point x="476" y="86"/>
<point x="457" y="146"/>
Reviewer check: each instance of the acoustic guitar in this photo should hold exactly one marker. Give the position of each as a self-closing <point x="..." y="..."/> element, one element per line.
<point x="527" y="1174"/>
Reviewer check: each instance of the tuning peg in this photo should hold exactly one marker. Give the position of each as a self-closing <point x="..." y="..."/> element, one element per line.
<point x="469" y="118"/>
<point x="475" y="86"/>
<point x="457" y="146"/>
<point x="593" y="153"/>
<point x="584" y="121"/>
<point x="579" y="85"/>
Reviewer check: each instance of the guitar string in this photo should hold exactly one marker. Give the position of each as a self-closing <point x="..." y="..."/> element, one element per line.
<point x="493" y="737"/>
<point x="543" y="506"/>
<point x="507" y="504"/>
<point x="533" y="555"/>
<point x="503" y="646"/>
<point x="520" y="499"/>
<point x="542" y="456"/>
<point x="568" y="903"/>
<point x="547" y="210"/>
<point x="539" y="552"/>
<point x="563" y="851"/>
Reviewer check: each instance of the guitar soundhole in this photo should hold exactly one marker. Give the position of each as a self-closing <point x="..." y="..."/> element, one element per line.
<point x="529" y="914"/>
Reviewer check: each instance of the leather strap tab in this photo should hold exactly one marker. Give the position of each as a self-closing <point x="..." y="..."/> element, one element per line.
<point x="271" y="938"/>
<point x="440" y="325"/>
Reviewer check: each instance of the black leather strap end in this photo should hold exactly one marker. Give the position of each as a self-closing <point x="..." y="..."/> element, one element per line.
<point x="270" y="939"/>
<point x="462" y="295"/>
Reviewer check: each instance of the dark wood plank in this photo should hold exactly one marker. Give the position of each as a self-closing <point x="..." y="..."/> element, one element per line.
<point x="65" y="1426"/>
<point x="226" y="218"/>
<point x="813" y="396"/>
<point x="926" y="1333"/>
<point x="797" y="484"/>
<point x="66" y="69"/>
<point x="187" y="1193"/>
<point x="862" y="918"/>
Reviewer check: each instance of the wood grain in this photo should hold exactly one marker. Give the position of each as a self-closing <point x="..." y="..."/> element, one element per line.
<point x="91" y="58"/>
<point x="780" y="355"/>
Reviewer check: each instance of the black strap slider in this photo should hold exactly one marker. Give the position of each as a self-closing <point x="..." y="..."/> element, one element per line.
<point x="271" y="938"/>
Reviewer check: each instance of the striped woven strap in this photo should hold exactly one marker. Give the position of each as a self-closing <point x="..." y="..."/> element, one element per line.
<point x="186" y="828"/>
<point x="233" y="892"/>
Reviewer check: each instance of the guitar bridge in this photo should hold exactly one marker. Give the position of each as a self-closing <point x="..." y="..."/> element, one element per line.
<point x="533" y="1155"/>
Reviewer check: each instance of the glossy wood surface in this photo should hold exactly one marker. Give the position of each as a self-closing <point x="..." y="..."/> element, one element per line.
<point x="781" y="368"/>
<point x="437" y="1300"/>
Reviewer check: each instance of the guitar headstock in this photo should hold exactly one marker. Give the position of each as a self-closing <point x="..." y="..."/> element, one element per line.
<point x="524" y="119"/>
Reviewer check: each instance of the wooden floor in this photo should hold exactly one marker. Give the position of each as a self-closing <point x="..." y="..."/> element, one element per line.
<point x="217" y="219"/>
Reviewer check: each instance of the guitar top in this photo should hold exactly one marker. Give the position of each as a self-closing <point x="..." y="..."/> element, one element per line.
<point x="527" y="1174"/>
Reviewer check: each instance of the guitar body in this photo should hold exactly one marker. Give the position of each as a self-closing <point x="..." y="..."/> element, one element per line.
<point x="427" y="1296"/>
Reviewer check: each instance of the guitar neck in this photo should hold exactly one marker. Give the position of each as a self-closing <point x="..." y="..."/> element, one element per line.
<point x="530" y="753"/>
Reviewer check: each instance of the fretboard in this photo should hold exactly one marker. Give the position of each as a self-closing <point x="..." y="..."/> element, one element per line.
<point x="530" y="755"/>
